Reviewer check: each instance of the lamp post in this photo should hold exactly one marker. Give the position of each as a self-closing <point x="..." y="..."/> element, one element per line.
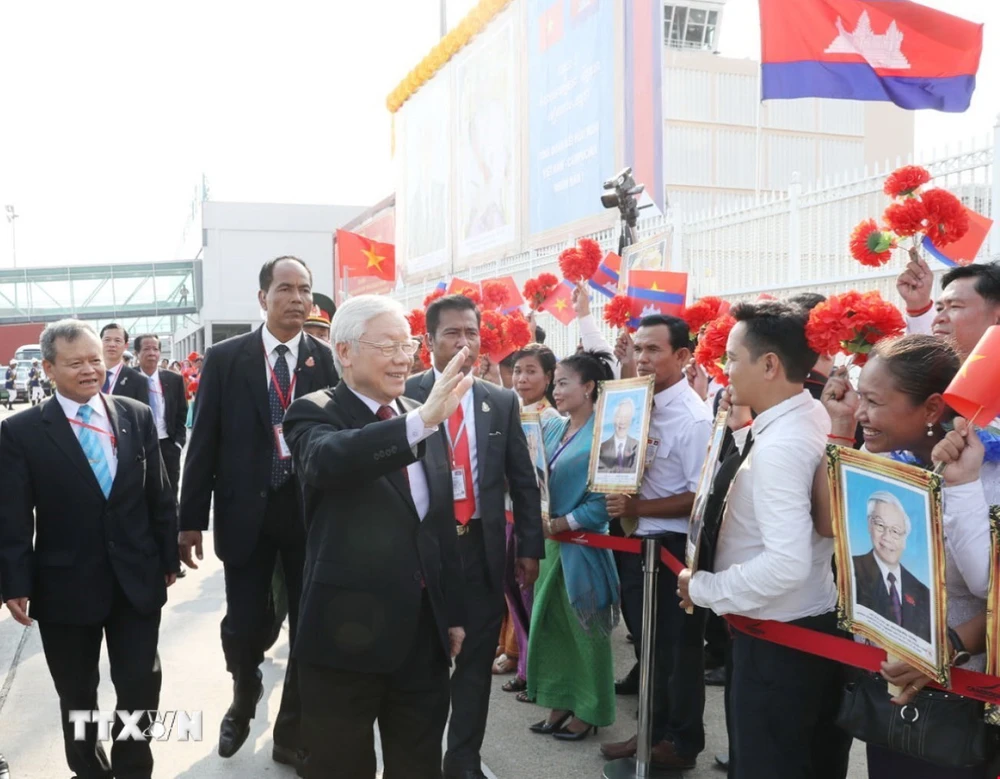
<point x="11" y="216"/>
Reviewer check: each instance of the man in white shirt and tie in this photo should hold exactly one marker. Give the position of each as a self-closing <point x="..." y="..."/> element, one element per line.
<point x="120" y="379"/>
<point x="680" y="426"/>
<point x="770" y="564"/>
<point x="168" y="402"/>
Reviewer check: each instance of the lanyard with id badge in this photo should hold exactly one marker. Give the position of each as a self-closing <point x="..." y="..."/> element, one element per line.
<point x="457" y="471"/>
<point x="281" y="447"/>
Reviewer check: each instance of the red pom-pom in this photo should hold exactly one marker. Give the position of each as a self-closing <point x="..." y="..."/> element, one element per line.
<point x="947" y="219"/>
<point x="495" y="294"/>
<point x="418" y="322"/>
<point x="517" y="332"/>
<point x="472" y="293"/>
<point x="851" y="324"/>
<point x="906" y="181"/>
<point x="435" y="295"/>
<point x="870" y="246"/>
<point x="490" y="332"/>
<point x="538" y="289"/>
<point x="906" y="217"/>
<point x="710" y="353"/>
<point x="579" y="263"/>
<point x="618" y="311"/>
<point x="425" y="354"/>
<point x="701" y="312"/>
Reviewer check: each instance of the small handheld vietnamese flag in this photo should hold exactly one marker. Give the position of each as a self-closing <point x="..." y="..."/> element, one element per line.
<point x="656" y="292"/>
<point x="965" y="250"/>
<point x="560" y="302"/>
<point x="605" y="280"/>
<point x="360" y="256"/>
<point x="972" y="393"/>
<point x="516" y="299"/>
<point x="457" y="285"/>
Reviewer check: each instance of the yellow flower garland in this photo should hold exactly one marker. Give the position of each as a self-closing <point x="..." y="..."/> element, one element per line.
<point x="452" y="43"/>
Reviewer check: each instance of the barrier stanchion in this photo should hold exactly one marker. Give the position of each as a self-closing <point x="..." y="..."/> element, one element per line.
<point x="640" y="766"/>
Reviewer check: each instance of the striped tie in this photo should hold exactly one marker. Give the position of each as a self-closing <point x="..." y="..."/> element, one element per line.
<point x="93" y="450"/>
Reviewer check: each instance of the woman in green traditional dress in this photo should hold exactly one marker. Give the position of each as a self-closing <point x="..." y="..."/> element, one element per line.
<point x="570" y="665"/>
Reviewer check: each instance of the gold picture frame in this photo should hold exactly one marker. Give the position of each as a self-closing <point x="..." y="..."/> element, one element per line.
<point x="706" y="485"/>
<point x="992" y="713"/>
<point x="531" y="423"/>
<point x="617" y="461"/>
<point x="872" y="548"/>
<point x="652" y="253"/>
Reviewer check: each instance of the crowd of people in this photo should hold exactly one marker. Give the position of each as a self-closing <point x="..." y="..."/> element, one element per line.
<point x="401" y="507"/>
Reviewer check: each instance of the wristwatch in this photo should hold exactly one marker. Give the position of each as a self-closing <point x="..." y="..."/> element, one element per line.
<point x="960" y="654"/>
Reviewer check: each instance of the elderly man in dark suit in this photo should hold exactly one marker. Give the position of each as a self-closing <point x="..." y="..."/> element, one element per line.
<point x="119" y="378"/>
<point x="382" y="605"/>
<point x="238" y="455"/>
<point x="883" y="584"/>
<point x="88" y="537"/>
<point x="617" y="453"/>
<point x="489" y="453"/>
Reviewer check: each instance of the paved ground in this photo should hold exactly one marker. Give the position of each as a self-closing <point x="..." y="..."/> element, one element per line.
<point x="195" y="679"/>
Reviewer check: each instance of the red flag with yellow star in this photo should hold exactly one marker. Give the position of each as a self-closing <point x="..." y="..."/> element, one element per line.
<point x="560" y="302"/>
<point x="972" y="393"/>
<point x="360" y="256"/>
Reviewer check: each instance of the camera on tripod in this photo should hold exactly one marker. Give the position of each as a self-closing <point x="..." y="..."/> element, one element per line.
<point x="622" y="196"/>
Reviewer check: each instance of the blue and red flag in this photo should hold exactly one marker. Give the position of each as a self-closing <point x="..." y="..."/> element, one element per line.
<point x="605" y="280"/>
<point x="656" y="292"/>
<point x="965" y="250"/>
<point x="643" y="22"/>
<point x="885" y="50"/>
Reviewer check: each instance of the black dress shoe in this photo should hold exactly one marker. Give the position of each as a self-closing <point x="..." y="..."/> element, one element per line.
<point x="235" y="725"/>
<point x="288" y="756"/>
<point x="545" y="728"/>
<point x="630" y="684"/>
<point x="4" y="769"/>
<point x="716" y="677"/>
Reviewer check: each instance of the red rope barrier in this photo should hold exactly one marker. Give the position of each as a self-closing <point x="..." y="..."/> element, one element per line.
<point x="970" y="684"/>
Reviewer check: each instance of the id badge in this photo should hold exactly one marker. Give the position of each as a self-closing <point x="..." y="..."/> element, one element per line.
<point x="458" y="483"/>
<point x="652" y="444"/>
<point x="284" y="453"/>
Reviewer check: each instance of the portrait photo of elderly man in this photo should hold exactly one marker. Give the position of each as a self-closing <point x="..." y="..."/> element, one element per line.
<point x="618" y="452"/>
<point x="883" y="584"/>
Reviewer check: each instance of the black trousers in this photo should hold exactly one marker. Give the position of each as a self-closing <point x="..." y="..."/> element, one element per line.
<point x="171" y="455"/>
<point x="73" y="652"/>
<point x="782" y="707"/>
<point x="679" y="659"/>
<point x="472" y="679"/>
<point x="249" y="613"/>
<point x="410" y="705"/>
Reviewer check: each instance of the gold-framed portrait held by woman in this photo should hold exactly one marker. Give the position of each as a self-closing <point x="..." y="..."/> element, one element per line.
<point x="531" y="423"/>
<point x="889" y="545"/>
<point x="621" y="429"/>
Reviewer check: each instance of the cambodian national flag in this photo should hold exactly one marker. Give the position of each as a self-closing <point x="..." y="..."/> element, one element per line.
<point x="888" y="50"/>
<point x="965" y="250"/>
<point x="605" y="280"/>
<point x="656" y="292"/>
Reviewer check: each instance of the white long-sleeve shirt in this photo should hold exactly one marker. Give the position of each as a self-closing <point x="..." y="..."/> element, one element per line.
<point x="770" y="562"/>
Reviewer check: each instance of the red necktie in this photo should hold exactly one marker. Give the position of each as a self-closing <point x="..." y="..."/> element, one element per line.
<point x="385" y="413"/>
<point x="458" y="435"/>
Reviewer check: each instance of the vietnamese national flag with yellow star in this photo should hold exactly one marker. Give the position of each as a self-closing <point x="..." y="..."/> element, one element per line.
<point x="360" y="256"/>
<point x="972" y="393"/>
<point x="560" y="302"/>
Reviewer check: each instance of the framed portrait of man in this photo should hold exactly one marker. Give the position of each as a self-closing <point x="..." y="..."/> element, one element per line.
<point x="621" y="429"/>
<point x="531" y="423"/>
<point x="889" y="542"/>
<point x="992" y="604"/>
<point x="706" y="481"/>
<point x="649" y="254"/>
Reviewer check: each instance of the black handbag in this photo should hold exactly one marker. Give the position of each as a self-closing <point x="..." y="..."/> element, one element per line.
<point x="937" y="726"/>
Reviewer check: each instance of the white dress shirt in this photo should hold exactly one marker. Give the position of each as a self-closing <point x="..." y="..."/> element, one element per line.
<point x="159" y="409"/>
<point x="680" y="428"/>
<point x="770" y="563"/>
<point x="98" y="419"/>
<point x="113" y="374"/>
<point x="469" y="410"/>
<point x="415" y="433"/>
<point x="291" y="356"/>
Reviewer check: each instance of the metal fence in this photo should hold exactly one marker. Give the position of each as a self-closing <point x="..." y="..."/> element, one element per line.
<point x="792" y="242"/>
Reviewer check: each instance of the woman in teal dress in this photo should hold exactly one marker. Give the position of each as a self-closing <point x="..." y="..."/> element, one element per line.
<point x="570" y="666"/>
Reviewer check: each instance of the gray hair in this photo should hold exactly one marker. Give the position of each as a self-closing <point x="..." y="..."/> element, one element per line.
<point x="352" y="318"/>
<point x="883" y="496"/>
<point x="67" y="329"/>
<point x="626" y="403"/>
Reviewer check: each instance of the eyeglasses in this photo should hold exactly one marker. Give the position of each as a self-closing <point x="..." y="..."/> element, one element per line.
<point x="409" y="348"/>
<point x="881" y="528"/>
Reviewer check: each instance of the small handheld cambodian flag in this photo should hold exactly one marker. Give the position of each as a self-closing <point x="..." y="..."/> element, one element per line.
<point x="605" y="280"/>
<point x="965" y="250"/>
<point x="656" y="292"/>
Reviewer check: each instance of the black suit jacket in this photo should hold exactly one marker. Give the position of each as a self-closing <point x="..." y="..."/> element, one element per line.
<point x="174" y="406"/>
<point x="872" y="593"/>
<point x="131" y="384"/>
<point x="367" y="551"/>
<point x="504" y="463"/>
<point x="232" y="439"/>
<point x="62" y="543"/>
<point x="608" y="455"/>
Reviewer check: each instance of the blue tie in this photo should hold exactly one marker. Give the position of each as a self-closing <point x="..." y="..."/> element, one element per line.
<point x="94" y="452"/>
<point x="154" y="398"/>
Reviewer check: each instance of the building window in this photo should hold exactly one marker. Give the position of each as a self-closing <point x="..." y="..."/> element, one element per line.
<point x="689" y="28"/>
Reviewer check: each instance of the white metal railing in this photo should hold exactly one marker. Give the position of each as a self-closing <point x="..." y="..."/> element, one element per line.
<point x="786" y="243"/>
